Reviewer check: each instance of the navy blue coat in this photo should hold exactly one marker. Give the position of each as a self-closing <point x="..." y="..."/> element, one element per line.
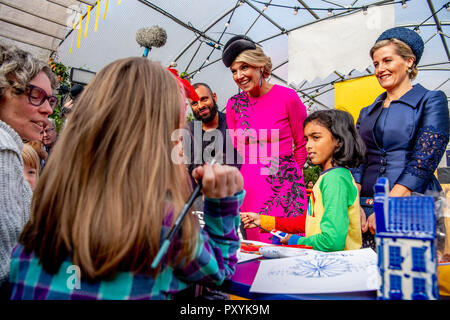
<point x="414" y="139"/>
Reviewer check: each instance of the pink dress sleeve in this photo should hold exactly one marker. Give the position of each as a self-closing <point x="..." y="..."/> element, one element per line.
<point x="297" y="115"/>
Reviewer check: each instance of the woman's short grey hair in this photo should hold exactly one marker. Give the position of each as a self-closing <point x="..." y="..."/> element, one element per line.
<point x="18" y="67"/>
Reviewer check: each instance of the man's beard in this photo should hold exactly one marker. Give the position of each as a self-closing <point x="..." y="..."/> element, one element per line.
<point x="212" y="114"/>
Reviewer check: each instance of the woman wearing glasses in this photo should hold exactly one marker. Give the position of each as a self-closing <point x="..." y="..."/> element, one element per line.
<point x="25" y="103"/>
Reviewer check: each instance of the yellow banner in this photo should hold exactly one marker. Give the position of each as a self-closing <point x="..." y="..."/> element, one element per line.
<point x="353" y="95"/>
<point x="96" y="17"/>
<point x="73" y="34"/>
<point x="79" y="31"/>
<point x="87" y="21"/>
<point x="106" y="9"/>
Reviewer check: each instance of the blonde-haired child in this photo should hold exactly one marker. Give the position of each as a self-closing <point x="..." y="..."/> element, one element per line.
<point x="31" y="164"/>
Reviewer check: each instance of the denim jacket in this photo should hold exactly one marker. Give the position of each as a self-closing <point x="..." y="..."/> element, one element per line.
<point x="415" y="136"/>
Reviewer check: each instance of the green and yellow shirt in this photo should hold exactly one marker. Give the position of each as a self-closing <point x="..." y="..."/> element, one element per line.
<point x="332" y="221"/>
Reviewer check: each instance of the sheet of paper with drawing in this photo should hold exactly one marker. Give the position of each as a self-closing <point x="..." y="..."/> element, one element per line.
<point x="319" y="272"/>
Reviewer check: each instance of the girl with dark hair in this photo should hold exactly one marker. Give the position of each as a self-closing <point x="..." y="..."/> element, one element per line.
<point x="332" y="222"/>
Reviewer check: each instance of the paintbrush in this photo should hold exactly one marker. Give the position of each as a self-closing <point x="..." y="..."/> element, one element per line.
<point x="271" y="232"/>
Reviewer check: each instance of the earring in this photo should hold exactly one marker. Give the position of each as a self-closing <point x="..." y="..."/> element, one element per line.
<point x="260" y="80"/>
<point x="409" y="70"/>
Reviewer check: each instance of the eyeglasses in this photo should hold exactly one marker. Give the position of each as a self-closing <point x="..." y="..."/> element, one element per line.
<point x="37" y="96"/>
<point x="48" y="131"/>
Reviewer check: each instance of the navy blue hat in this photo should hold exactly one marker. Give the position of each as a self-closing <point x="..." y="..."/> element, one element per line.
<point x="408" y="36"/>
<point x="234" y="47"/>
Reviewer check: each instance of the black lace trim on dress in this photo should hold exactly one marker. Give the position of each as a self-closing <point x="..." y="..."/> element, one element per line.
<point x="428" y="150"/>
<point x="283" y="172"/>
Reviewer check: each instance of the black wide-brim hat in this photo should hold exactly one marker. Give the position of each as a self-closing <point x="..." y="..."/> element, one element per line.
<point x="408" y="36"/>
<point x="234" y="47"/>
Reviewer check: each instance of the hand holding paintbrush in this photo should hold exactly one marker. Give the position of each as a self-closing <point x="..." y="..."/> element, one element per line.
<point x="252" y="219"/>
<point x="215" y="181"/>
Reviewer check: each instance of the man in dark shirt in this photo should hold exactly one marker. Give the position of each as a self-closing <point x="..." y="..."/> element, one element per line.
<point x="210" y="138"/>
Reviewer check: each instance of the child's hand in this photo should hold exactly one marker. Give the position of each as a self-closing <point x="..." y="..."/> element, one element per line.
<point x="285" y="240"/>
<point x="249" y="217"/>
<point x="362" y="216"/>
<point x="69" y="104"/>
<point x="370" y="224"/>
<point x="219" y="181"/>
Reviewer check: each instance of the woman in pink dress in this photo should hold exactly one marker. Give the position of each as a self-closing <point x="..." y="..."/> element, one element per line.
<point x="266" y="125"/>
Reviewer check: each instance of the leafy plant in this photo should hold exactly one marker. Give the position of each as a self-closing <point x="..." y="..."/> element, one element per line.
<point x="62" y="73"/>
<point x="311" y="173"/>
<point x="184" y="75"/>
<point x="189" y="117"/>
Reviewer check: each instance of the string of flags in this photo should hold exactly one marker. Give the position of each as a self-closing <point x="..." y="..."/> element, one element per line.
<point x="79" y="24"/>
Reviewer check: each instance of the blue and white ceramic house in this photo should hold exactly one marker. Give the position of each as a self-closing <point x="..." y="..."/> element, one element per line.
<point x="405" y="240"/>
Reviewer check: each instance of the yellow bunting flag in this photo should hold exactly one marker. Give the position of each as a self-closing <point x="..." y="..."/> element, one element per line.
<point x="79" y="31"/>
<point x="87" y="21"/>
<point x="106" y="9"/>
<point x="73" y="34"/>
<point x="98" y="13"/>
<point x="353" y="95"/>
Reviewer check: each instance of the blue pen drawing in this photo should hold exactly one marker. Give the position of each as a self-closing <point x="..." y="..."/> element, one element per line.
<point x="322" y="266"/>
<point x="315" y="268"/>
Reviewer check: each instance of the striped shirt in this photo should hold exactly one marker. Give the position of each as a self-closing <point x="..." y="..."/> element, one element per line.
<point x="215" y="260"/>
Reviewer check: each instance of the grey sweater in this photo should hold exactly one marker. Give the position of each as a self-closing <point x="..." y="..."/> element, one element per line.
<point x="15" y="195"/>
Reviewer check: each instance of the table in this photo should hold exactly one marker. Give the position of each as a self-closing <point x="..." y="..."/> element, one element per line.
<point x="241" y="281"/>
